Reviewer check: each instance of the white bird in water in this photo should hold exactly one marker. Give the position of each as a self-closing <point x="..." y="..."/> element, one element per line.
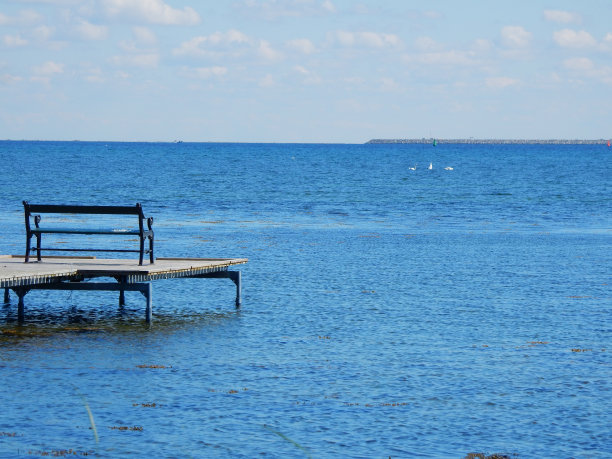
<point x="448" y="168"/>
<point x="430" y="166"/>
<point x="413" y="168"/>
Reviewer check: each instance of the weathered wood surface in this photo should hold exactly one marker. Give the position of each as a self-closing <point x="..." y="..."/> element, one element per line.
<point x="14" y="272"/>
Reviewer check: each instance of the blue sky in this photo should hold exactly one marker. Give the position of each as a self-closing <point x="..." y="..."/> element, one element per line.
<point x="304" y="70"/>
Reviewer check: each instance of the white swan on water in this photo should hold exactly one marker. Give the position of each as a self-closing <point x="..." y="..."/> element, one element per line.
<point x="430" y="166"/>
<point x="448" y="168"/>
<point x="413" y="168"/>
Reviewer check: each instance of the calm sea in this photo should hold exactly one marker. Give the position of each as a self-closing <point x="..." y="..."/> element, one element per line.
<point x="387" y="312"/>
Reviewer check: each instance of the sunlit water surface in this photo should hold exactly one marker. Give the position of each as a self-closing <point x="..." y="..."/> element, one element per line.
<point x="387" y="312"/>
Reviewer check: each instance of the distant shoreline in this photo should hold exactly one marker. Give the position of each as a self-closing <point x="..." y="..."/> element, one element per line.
<point x="496" y="141"/>
<point x="372" y="141"/>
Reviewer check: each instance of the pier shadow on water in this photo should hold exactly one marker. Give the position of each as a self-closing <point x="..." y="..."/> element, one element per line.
<point x="50" y="319"/>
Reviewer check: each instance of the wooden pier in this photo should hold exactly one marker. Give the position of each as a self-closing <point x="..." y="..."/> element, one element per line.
<point x="82" y="273"/>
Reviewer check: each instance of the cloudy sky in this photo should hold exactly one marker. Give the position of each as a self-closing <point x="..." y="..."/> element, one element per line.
<point x="304" y="70"/>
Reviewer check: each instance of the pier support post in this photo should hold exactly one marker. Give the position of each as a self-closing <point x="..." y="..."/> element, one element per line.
<point x="121" y="280"/>
<point x="144" y="287"/>
<point x="21" y="292"/>
<point x="7" y="295"/>
<point x="149" y="302"/>
<point x="147" y="291"/>
<point x="236" y="277"/>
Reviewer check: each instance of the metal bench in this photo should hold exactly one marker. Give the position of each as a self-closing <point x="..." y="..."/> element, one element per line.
<point x="32" y="211"/>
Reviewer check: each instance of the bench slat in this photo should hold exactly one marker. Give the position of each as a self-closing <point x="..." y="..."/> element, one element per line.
<point x="105" y="210"/>
<point x="86" y="231"/>
<point x="61" y="249"/>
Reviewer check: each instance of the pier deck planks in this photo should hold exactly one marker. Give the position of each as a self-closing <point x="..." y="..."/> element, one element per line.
<point x="14" y="272"/>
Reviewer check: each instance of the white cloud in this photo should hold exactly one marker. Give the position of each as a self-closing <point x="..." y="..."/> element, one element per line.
<point x="7" y="78"/>
<point x="40" y="79"/>
<point x="482" y="45"/>
<point x="606" y="44"/>
<point x="191" y="47"/>
<point x="267" y="81"/>
<point x="515" y="37"/>
<point x="327" y="5"/>
<point x="49" y="68"/>
<point x="568" y="38"/>
<point x="144" y="35"/>
<point x="14" y="41"/>
<point x="309" y="77"/>
<point x="303" y="45"/>
<point x="136" y="60"/>
<point x="94" y="75"/>
<point x="23" y="18"/>
<point x="94" y="79"/>
<point x="151" y="12"/>
<point x="367" y="39"/>
<point x="54" y="2"/>
<point x="452" y="57"/>
<point x="276" y="9"/>
<point x="388" y="84"/>
<point x="266" y="51"/>
<point x="427" y="44"/>
<point x="579" y="63"/>
<point x="563" y="17"/>
<point x="201" y="46"/>
<point x="345" y="38"/>
<point x="501" y="82"/>
<point x="206" y="72"/>
<point x="232" y="36"/>
<point x="90" y="31"/>
<point x="585" y="67"/>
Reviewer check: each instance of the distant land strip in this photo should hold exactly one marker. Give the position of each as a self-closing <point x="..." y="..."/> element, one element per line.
<point x="497" y="141"/>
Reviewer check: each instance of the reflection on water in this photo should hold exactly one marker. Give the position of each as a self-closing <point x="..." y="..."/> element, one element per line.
<point x="121" y="320"/>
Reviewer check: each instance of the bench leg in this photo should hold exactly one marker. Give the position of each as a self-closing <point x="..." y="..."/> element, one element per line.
<point x="141" y="251"/>
<point x="38" y="244"/>
<point x="28" y="245"/>
<point x="151" y="257"/>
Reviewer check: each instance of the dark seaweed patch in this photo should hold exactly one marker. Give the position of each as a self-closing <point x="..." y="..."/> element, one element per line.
<point x="128" y="428"/>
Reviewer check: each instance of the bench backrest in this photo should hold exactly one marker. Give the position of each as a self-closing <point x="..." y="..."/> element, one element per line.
<point x="76" y="209"/>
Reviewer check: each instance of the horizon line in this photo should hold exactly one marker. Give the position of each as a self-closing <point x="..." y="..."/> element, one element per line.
<point x="371" y="141"/>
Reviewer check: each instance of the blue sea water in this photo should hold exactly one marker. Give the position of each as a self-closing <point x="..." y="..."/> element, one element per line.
<point x="386" y="312"/>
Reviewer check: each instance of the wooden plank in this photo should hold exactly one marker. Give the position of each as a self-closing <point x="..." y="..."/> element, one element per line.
<point x="14" y="272"/>
<point x="79" y="209"/>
